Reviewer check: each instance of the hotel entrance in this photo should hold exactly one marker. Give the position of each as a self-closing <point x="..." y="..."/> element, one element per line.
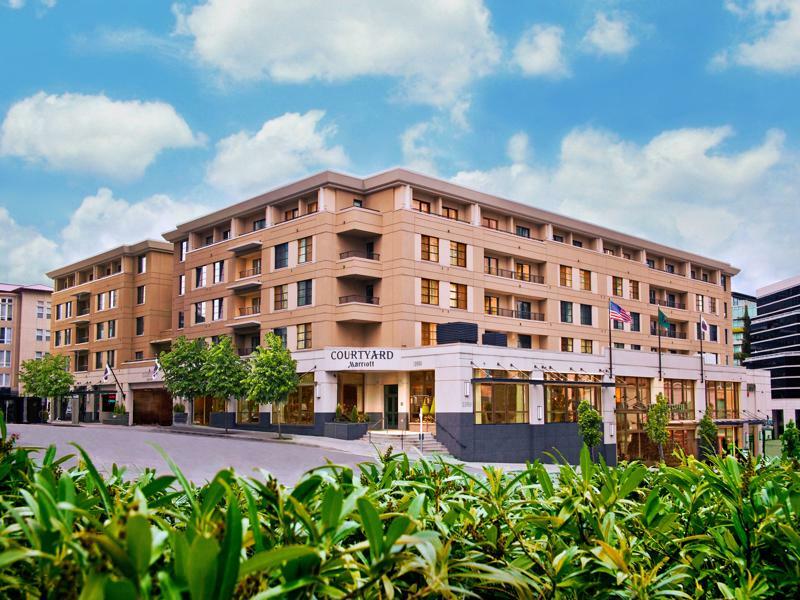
<point x="390" y="406"/>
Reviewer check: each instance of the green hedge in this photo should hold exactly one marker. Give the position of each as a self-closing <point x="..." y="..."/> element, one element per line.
<point x="399" y="529"/>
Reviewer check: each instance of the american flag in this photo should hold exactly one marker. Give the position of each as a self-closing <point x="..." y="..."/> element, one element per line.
<point x="617" y="313"/>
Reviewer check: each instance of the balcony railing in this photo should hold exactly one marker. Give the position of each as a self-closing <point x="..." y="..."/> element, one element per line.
<point x="673" y="272"/>
<point x="515" y="314"/>
<point x="460" y="219"/>
<point x="82" y="339"/>
<point x="245" y="350"/>
<point x="508" y="274"/>
<point x="668" y="303"/>
<point x="249" y="273"/>
<point x="727" y="413"/>
<point x="356" y="298"/>
<point x="250" y="310"/>
<point x="359" y="254"/>
<point x="677" y="335"/>
<point x="82" y="310"/>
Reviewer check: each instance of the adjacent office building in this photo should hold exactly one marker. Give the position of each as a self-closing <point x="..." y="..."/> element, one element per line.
<point x="743" y="304"/>
<point x="481" y="320"/>
<point x="115" y="309"/>
<point x="776" y="347"/>
<point x="24" y="335"/>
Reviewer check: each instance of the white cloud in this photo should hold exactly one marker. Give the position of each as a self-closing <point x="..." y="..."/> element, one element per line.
<point x="101" y="222"/>
<point x="285" y="147"/>
<point x="435" y="47"/>
<point x="418" y="152"/>
<point x="681" y="188"/>
<point x="16" y="4"/>
<point x="609" y="35"/>
<point x="92" y="134"/>
<point x="539" y="52"/>
<point x="774" y="43"/>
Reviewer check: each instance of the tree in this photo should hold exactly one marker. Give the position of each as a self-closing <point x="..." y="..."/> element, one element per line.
<point x="745" y="350"/>
<point x="707" y="431"/>
<point x="656" y="424"/>
<point x="589" y="425"/>
<point x="790" y="441"/>
<point x="272" y="375"/>
<point x="223" y="372"/>
<point x="46" y="377"/>
<point x="182" y="367"/>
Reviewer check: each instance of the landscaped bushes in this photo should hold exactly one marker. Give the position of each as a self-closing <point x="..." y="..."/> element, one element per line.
<point x="401" y="529"/>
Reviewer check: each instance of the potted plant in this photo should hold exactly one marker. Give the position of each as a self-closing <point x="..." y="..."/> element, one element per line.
<point x="347" y="427"/>
<point x="179" y="416"/>
<point x="119" y="416"/>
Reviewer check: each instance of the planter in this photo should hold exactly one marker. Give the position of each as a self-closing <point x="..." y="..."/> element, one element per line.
<point x="116" y="419"/>
<point x="345" y="431"/>
<point x="180" y="418"/>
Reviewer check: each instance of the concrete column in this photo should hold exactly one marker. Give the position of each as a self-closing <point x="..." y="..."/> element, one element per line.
<point x="608" y="404"/>
<point x="325" y="391"/>
<point x="128" y="393"/>
<point x="537" y="396"/>
<point x="403" y="398"/>
<point x="75" y="401"/>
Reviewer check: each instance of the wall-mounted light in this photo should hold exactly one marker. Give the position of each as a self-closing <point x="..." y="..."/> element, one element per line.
<point x="317" y="392"/>
<point x="612" y="429"/>
<point x="466" y="389"/>
<point x="539" y="413"/>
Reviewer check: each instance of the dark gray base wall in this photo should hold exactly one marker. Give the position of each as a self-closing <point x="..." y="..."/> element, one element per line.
<point x="512" y="442"/>
<point x="265" y="424"/>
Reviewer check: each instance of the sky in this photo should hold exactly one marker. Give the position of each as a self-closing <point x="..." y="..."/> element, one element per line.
<point x="675" y="121"/>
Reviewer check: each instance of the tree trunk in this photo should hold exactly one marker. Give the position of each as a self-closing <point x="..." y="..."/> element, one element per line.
<point x="280" y="435"/>
<point x="661" y="452"/>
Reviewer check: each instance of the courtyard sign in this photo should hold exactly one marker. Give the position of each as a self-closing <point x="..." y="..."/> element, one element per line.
<point x="374" y="359"/>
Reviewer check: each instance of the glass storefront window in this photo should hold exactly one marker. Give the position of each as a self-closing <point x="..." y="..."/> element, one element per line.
<point x="350" y="392"/>
<point x="423" y="390"/>
<point x="299" y="408"/>
<point x="502" y="401"/>
<point x="246" y="412"/>
<point x="632" y="401"/>
<point x="680" y="397"/>
<point x="563" y="393"/>
<point x="107" y="402"/>
<point x="722" y="399"/>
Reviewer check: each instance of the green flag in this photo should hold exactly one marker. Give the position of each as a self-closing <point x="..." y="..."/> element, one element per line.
<point x="662" y="320"/>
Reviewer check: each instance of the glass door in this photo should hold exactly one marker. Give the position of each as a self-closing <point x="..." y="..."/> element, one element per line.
<point x="390" y="412"/>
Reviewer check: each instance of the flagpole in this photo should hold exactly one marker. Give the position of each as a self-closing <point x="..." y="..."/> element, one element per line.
<point x="121" y="391"/>
<point x="702" y="356"/>
<point x="610" y="361"/>
<point x="658" y="327"/>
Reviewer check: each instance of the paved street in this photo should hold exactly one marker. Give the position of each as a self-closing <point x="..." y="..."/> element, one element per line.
<point x="199" y="457"/>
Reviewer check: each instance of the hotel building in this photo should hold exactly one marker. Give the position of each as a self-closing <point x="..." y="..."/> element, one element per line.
<point x="742" y="303"/>
<point x="775" y="342"/>
<point x="24" y="335"/>
<point x="360" y="276"/>
<point x="114" y="309"/>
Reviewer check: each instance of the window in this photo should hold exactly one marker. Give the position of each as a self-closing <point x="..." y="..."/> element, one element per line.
<point x="100" y="331"/>
<point x="524" y="309"/>
<point x="67" y="336"/>
<point x="290" y="214"/>
<point x="523" y="231"/>
<point x="450" y="213"/>
<point x="619" y="345"/>
<point x="140" y="294"/>
<point x="217" y="309"/>
<point x="524" y="341"/>
<point x="5" y="380"/>
<point x="577" y="243"/>
<point x="5" y="358"/>
<point x="616" y="286"/>
<point x="430" y="248"/>
<point x="586" y="346"/>
<point x="722" y="399"/>
<point x="699" y="302"/>
<point x="304" y="292"/>
<point x="181" y="320"/>
<point x="140" y="325"/>
<point x="489" y="222"/>
<point x="490" y="265"/>
<point x="358" y="203"/>
<point x="200" y="312"/>
<point x="304" y="336"/>
<point x="281" y="296"/>
<point x="101" y="301"/>
<point x="39" y="308"/>
<point x="565" y="276"/>
<point x="586" y="314"/>
<point x="651" y="263"/>
<point x="200" y="277"/>
<point x="259" y="224"/>
<point x="713" y="333"/>
<point x="57" y="341"/>
<point x="586" y="280"/>
<point x="618" y="325"/>
<point x="566" y="312"/>
<point x="112" y="329"/>
<point x="561" y="401"/>
<point x="209" y="240"/>
<point x="523" y="271"/>
<point x="40" y="335"/>
<point x="566" y="344"/>
<point x="458" y="296"/>
<point x="634" y="287"/>
<point x="282" y="255"/>
<point x="141" y="264"/>
<point x="458" y="254"/>
<point x="281" y="332"/>
<point x="98" y="360"/>
<point x="491" y="304"/>
<point x="304" y="250"/>
<point x="712" y="305"/>
<point x="219" y="271"/>
<point x="299" y="406"/>
<point x="183" y="249"/>
<point x="138" y="355"/>
<point x="226" y="234"/>
<point x="181" y="285"/>
<point x="312" y="207"/>
<point x="112" y="298"/>
<point x="428" y="334"/>
<point x="430" y="292"/>
<point x="680" y="397"/>
<point x="558" y="238"/>
<point x="422" y="206"/>
<point x="636" y="321"/>
<point x="501" y="402"/>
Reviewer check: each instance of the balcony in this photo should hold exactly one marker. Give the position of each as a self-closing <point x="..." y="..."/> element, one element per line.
<point x="249" y="273"/>
<point x="459" y="217"/>
<point x="668" y="303"/>
<point x="359" y="254"/>
<point x="672" y="272"/>
<point x="359" y="221"/>
<point x="675" y="335"/>
<point x="249" y="285"/>
<point x="726" y="413"/>
<point x="508" y="274"/>
<point x="515" y="314"/>
<point x="358" y="299"/>
<point x="250" y="310"/>
<point x="245" y="350"/>
<point x="82" y="339"/>
<point x="247" y="246"/>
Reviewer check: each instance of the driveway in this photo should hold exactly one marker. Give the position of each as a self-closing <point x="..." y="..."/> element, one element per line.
<point x="199" y="457"/>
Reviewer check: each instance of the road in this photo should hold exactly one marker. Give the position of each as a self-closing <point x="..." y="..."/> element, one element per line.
<point x="199" y="457"/>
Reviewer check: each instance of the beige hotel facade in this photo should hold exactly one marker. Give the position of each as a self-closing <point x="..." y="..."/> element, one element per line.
<point x="360" y="275"/>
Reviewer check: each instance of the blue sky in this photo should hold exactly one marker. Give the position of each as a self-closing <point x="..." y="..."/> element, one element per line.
<point x="675" y="121"/>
